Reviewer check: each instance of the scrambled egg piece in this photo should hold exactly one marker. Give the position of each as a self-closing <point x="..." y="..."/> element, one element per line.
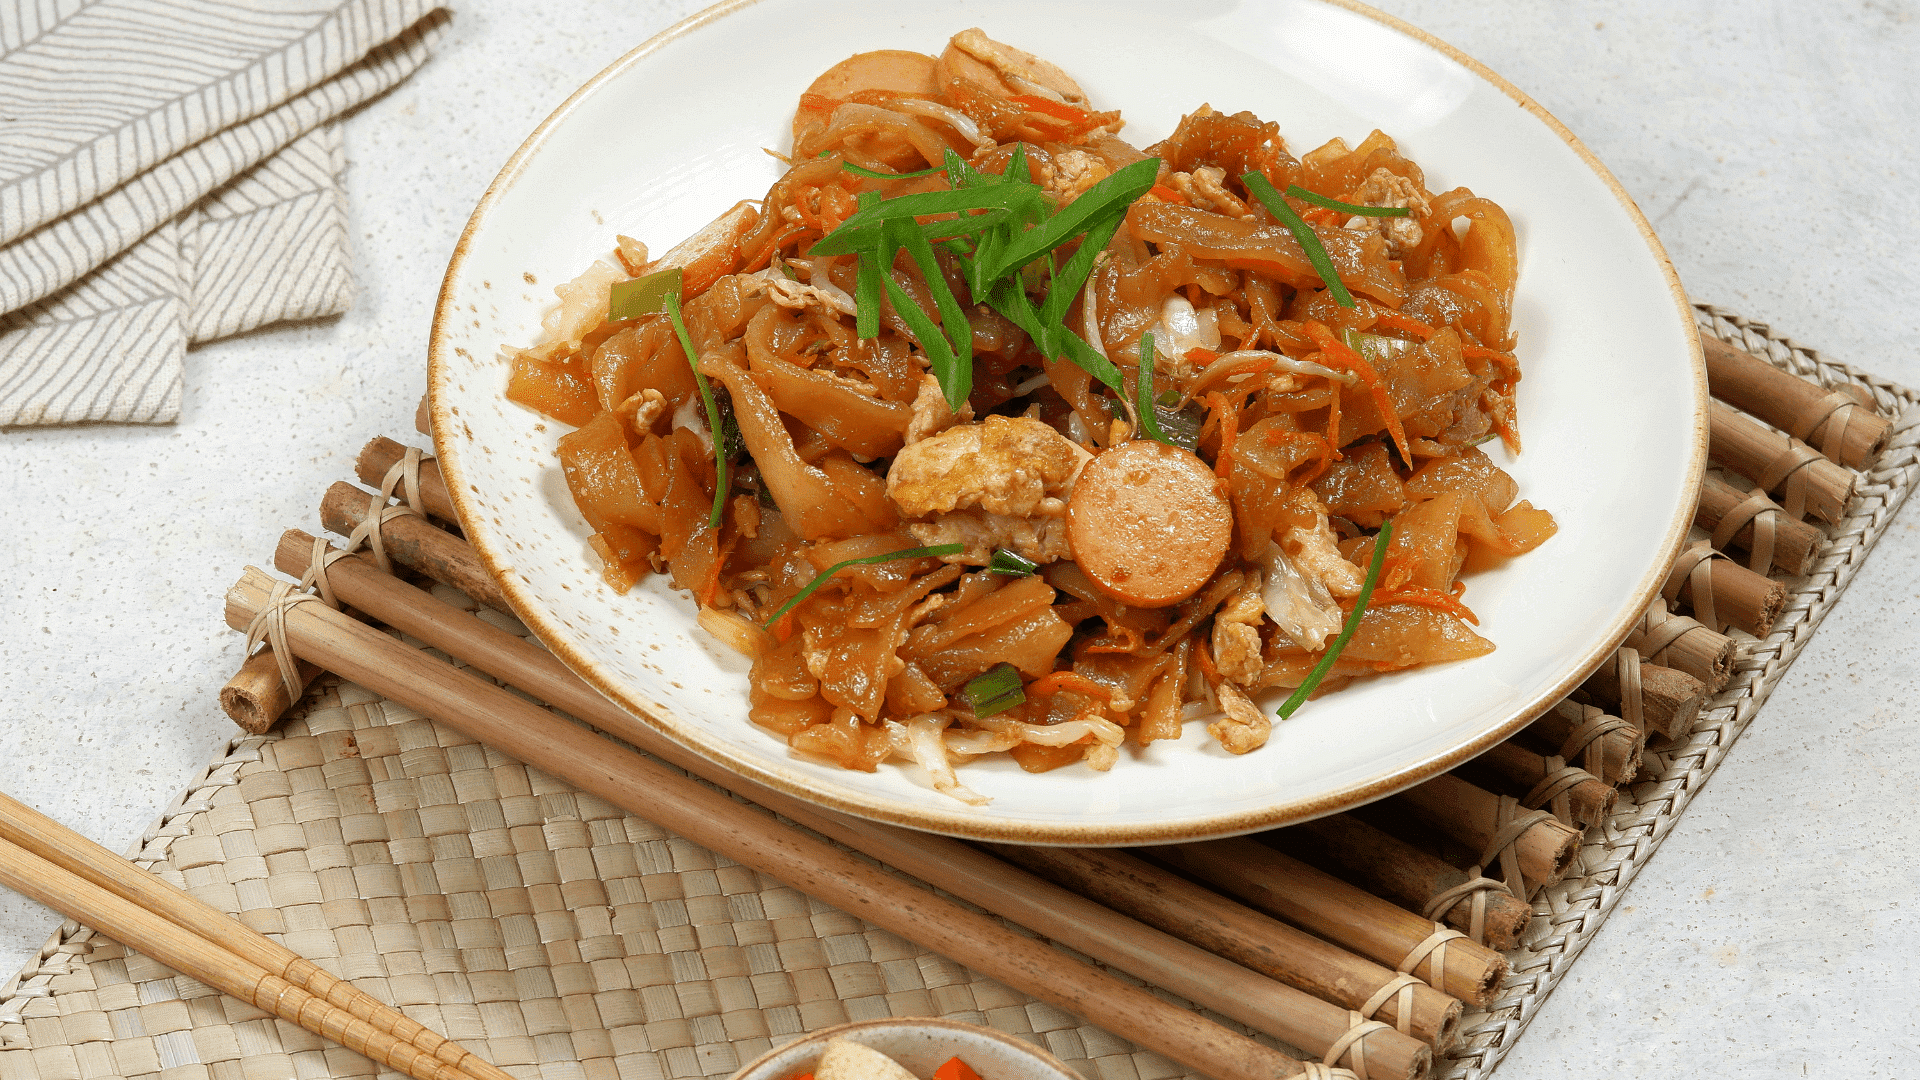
<point x="1205" y="187"/>
<point x="999" y="483"/>
<point x="1236" y="633"/>
<point x="1388" y="188"/>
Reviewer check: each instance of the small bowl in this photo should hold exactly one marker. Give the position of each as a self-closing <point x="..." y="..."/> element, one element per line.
<point x="920" y="1044"/>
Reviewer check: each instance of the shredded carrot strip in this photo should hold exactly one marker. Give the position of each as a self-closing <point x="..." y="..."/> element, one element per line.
<point x="1426" y="598"/>
<point x="1055" y="109"/>
<point x="1338" y="354"/>
<point x="1393" y="320"/>
<point x="1168" y="195"/>
<point x="1506" y="360"/>
<point x="1229" y="428"/>
<point x="1128" y="640"/>
<point x="765" y="258"/>
<point x="783" y="627"/>
<point x="1201" y="355"/>
<point x="1203" y="657"/>
<point x="1047" y="685"/>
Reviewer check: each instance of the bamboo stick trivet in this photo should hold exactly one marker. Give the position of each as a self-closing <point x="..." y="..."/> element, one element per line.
<point x="1568" y="911"/>
<point x="1568" y="914"/>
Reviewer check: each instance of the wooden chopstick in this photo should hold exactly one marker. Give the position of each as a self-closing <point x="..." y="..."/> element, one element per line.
<point x="195" y="956"/>
<point x="522" y="730"/>
<point x="1287" y="1012"/>
<point x="44" y="838"/>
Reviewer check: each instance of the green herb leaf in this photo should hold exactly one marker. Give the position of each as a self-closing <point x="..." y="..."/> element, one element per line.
<point x="956" y="380"/>
<point x="953" y="321"/>
<point x="1375" y="348"/>
<point x="1011" y="564"/>
<point x="1072" y="277"/>
<point x="1143" y="387"/>
<point x="1181" y="425"/>
<point x="863" y="229"/>
<point x="1295" y="191"/>
<point x="870" y="560"/>
<point x="642" y="295"/>
<point x="672" y="305"/>
<point x="995" y="691"/>
<point x="1261" y="189"/>
<point x="1112" y="193"/>
<point x="861" y="170"/>
<point x="1017" y="168"/>
<point x="1319" y="672"/>
<point x="866" y="285"/>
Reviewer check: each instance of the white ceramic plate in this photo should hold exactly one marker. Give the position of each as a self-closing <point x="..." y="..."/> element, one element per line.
<point x="920" y="1045"/>
<point x="1612" y="408"/>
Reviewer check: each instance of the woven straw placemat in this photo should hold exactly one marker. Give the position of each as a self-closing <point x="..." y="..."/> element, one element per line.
<point x="566" y="940"/>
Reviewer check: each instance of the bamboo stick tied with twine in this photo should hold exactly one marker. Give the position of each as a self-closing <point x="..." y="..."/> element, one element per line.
<point x="508" y="723"/>
<point x="1383" y="864"/>
<point x="1841" y="424"/>
<point x="1751" y="522"/>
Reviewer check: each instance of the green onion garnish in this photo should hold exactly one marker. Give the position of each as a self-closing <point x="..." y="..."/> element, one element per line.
<point x="1261" y="189"/>
<point x="1325" y="665"/>
<point x="1011" y="564"/>
<point x="1295" y="191"/>
<point x="1017" y="169"/>
<point x="1116" y="192"/>
<point x="1143" y="390"/>
<point x="955" y="328"/>
<point x="870" y="560"/>
<point x="984" y="220"/>
<point x="671" y="302"/>
<point x="860" y="170"/>
<point x="1181" y="425"/>
<point x="642" y="295"/>
<point x="956" y="379"/>
<point x="995" y="691"/>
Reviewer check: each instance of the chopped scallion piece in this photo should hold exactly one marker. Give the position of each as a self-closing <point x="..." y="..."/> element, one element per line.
<point x="866" y="283"/>
<point x="1319" y="672"/>
<point x="672" y="305"/>
<point x="1115" y="192"/>
<point x="1012" y="564"/>
<point x="860" y="170"/>
<point x="642" y="295"/>
<point x="953" y="321"/>
<point x="1374" y="348"/>
<point x="1295" y="191"/>
<point x="956" y="378"/>
<point x="1259" y="187"/>
<point x="870" y="560"/>
<point x="1149" y="417"/>
<point x="1017" y="169"/>
<point x="994" y="691"/>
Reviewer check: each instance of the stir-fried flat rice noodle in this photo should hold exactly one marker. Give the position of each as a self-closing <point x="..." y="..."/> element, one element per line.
<point x="953" y="522"/>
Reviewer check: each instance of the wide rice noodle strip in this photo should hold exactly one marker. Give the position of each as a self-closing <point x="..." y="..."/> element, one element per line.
<point x="865" y="425"/>
<point x="1335" y="171"/>
<point x="708" y="255"/>
<point x="813" y="505"/>
<point x="1390" y="637"/>
<point x="559" y="390"/>
<point x="1005" y="604"/>
<point x="1245" y="243"/>
<point x="855" y="663"/>
<point x="1030" y="643"/>
<point x="643" y="356"/>
<point x="602" y="476"/>
<point x="1489" y="245"/>
<point x="1235" y="143"/>
<point x="894" y="138"/>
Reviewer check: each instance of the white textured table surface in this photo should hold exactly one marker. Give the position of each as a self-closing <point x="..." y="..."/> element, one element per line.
<point x="1772" y="145"/>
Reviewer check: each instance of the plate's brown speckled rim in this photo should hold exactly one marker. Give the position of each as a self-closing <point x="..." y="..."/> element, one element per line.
<point x="930" y="815"/>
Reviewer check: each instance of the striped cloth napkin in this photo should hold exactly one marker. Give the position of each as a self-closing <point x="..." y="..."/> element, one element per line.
<point x="170" y="173"/>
